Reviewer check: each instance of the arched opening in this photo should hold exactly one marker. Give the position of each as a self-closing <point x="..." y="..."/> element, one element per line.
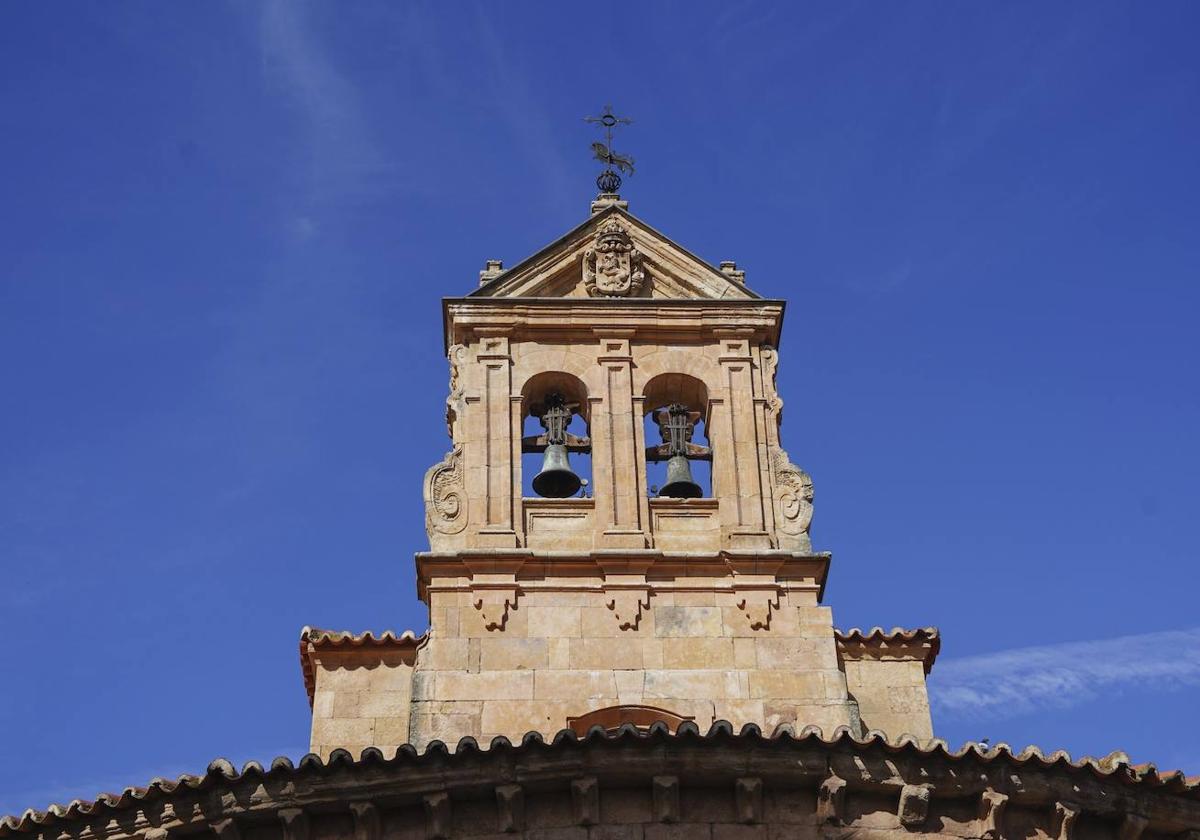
<point x="554" y="405"/>
<point x="613" y="717"/>
<point x="676" y="424"/>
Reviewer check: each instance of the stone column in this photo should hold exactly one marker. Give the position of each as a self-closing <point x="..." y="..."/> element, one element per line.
<point x="494" y="445"/>
<point x="619" y="485"/>
<point x="743" y="515"/>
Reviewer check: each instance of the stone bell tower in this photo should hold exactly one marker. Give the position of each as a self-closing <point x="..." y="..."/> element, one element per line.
<point x="624" y="598"/>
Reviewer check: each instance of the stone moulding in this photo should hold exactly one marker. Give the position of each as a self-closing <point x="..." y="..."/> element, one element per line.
<point x="795" y="571"/>
<point x="1056" y="793"/>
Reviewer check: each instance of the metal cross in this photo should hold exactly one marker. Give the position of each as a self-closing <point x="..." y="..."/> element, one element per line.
<point x="609" y="120"/>
<point x="609" y="181"/>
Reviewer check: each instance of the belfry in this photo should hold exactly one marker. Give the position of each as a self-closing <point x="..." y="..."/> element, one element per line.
<point x="570" y="579"/>
<point x="626" y="633"/>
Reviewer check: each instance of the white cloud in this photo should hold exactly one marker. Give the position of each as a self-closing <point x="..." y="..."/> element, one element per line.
<point x="343" y="156"/>
<point x="1022" y="680"/>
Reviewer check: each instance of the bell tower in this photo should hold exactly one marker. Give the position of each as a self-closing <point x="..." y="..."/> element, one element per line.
<point x="616" y="533"/>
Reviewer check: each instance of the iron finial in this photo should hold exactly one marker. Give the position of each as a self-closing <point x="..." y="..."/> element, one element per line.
<point x="609" y="181"/>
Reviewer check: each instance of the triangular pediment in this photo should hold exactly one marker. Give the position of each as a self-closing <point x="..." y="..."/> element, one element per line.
<point x="615" y="254"/>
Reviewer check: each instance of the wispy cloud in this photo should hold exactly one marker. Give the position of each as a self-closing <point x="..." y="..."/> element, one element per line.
<point x="1022" y="680"/>
<point x="344" y="157"/>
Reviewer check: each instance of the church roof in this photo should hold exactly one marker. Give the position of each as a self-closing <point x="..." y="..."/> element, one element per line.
<point x="1108" y="787"/>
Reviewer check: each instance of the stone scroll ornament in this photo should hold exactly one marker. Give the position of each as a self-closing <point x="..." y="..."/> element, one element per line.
<point x="446" y="496"/>
<point x="793" y="500"/>
<point x="612" y="267"/>
<point x="455" y="402"/>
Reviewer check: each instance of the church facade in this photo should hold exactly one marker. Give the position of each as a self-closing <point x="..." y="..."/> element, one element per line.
<point x="627" y="637"/>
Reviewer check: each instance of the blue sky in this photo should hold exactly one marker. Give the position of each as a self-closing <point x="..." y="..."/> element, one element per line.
<point x="226" y="229"/>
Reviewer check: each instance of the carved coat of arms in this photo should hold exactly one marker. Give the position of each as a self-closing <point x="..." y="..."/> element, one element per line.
<point x="612" y="267"/>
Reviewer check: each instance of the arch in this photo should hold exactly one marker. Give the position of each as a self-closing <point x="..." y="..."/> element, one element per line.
<point x="613" y="717"/>
<point x="545" y="382"/>
<point x="538" y="362"/>
<point x="666" y="388"/>
<point x="663" y="390"/>
<point x="692" y="363"/>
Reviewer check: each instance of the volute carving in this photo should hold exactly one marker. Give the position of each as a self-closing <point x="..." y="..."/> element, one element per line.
<point x="793" y="502"/>
<point x="446" y="496"/>
<point x="770" y="361"/>
<point x="612" y="267"/>
<point x="455" y="402"/>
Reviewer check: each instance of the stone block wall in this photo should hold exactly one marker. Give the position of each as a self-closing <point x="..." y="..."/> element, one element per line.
<point x="361" y="698"/>
<point x="563" y="654"/>
<point x="891" y="696"/>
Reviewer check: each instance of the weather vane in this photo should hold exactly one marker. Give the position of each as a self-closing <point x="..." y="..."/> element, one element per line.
<point x="609" y="181"/>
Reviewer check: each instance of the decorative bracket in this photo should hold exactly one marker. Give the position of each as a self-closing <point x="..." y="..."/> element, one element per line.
<point x="1065" y="816"/>
<point x="831" y="798"/>
<point x="627" y="602"/>
<point x="914" y="806"/>
<point x="757" y="602"/>
<point x="494" y="600"/>
<point x="991" y="814"/>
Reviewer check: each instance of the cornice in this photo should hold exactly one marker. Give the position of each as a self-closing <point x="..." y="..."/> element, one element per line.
<point x="898" y="644"/>
<point x="843" y="765"/>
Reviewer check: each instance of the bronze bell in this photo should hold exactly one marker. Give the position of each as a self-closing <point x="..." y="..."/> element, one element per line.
<point x="556" y="480"/>
<point x="680" y="484"/>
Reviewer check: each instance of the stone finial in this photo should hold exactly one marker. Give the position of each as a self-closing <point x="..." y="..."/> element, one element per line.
<point x="437" y="815"/>
<point x="914" y="805"/>
<point x="729" y="269"/>
<point x="991" y="814"/>
<point x="585" y="800"/>
<point x="666" y="798"/>
<point x="227" y="829"/>
<point x="510" y="808"/>
<point x="748" y="795"/>
<point x="491" y="270"/>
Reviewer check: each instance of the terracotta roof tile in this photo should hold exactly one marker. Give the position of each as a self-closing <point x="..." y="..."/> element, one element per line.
<point x="1115" y="766"/>
<point x="896" y="638"/>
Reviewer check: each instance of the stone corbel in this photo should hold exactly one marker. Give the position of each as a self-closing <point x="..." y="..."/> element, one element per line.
<point x="666" y="798"/>
<point x="991" y="814"/>
<point x="748" y="797"/>
<point x="1065" y="816"/>
<point x="914" y="806"/>
<point x="295" y="823"/>
<point x="366" y="820"/>
<point x="437" y="815"/>
<point x="494" y="600"/>
<point x="626" y="594"/>
<point x="1132" y="827"/>
<point x="757" y="602"/>
<point x="510" y="808"/>
<point x="831" y="799"/>
<point x="227" y="829"/>
<point x="585" y="800"/>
